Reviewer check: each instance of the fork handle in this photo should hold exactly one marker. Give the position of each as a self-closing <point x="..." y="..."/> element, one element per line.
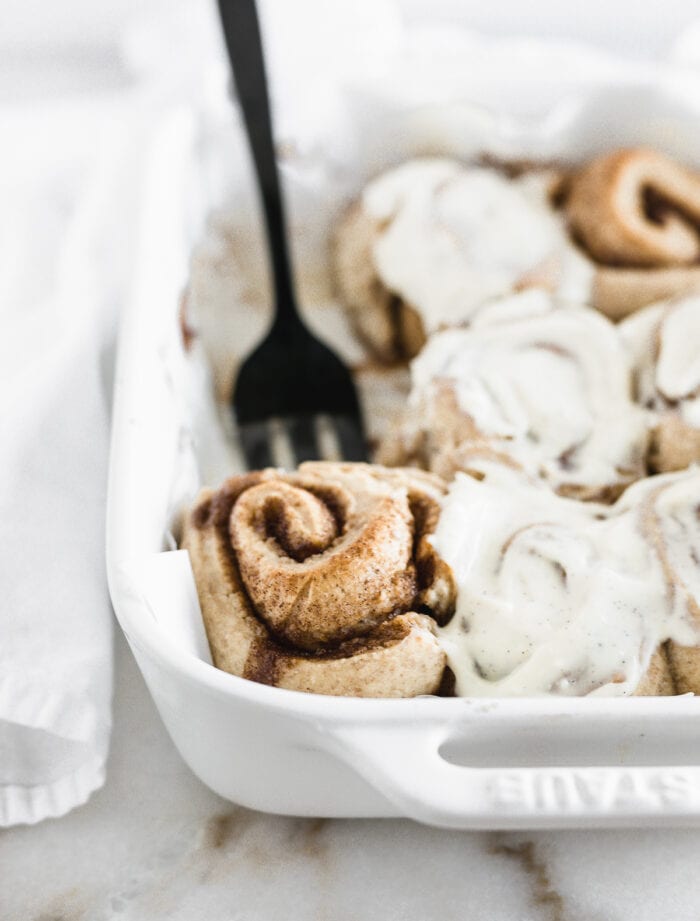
<point x="241" y="28"/>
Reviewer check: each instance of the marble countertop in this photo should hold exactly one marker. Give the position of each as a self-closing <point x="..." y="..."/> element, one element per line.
<point x="154" y="843"/>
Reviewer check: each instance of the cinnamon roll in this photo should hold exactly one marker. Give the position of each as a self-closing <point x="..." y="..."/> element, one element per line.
<point x="568" y="598"/>
<point x="432" y="240"/>
<point x="323" y="580"/>
<point x="664" y="343"/>
<point x="541" y="389"/>
<point x="636" y="213"/>
<point x="667" y="510"/>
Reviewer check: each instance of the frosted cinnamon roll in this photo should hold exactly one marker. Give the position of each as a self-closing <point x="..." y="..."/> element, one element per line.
<point x="544" y="390"/>
<point x="324" y="579"/>
<point x="636" y="213"/>
<point x="568" y="598"/>
<point x="664" y="343"/>
<point x="432" y="240"/>
<point x="668" y="511"/>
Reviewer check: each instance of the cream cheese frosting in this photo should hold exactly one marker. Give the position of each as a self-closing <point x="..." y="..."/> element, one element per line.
<point x="558" y="597"/>
<point x="548" y="387"/>
<point x="452" y="237"/>
<point x="663" y="342"/>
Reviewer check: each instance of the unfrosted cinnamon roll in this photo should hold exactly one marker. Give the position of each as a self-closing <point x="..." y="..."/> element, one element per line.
<point x="324" y="579"/>
<point x="431" y="240"/>
<point x="542" y="389"/>
<point x="561" y="597"/>
<point x="636" y="212"/>
<point x="664" y="343"/>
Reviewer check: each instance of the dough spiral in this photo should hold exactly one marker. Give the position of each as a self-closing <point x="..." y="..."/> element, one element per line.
<point x="432" y="240"/>
<point x="324" y="579"/>
<point x="663" y="344"/>
<point x="545" y="390"/>
<point x="636" y="212"/>
<point x="562" y="597"/>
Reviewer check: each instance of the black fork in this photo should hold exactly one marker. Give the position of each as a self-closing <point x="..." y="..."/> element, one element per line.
<point x="292" y="386"/>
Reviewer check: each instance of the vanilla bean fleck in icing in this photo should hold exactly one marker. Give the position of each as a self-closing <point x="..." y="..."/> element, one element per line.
<point x="561" y="597"/>
<point x="548" y="387"/>
<point x="453" y="237"/>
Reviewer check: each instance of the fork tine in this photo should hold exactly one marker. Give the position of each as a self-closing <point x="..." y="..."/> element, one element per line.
<point x="302" y="431"/>
<point x="328" y="443"/>
<point x="351" y="437"/>
<point x="281" y="443"/>
<point x="305" y="438"/>
<point x="256" y="444"/>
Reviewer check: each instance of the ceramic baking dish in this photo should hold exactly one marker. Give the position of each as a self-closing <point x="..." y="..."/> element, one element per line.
<point x="464" y="763"/>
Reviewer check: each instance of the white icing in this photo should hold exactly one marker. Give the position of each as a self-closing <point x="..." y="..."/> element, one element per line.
<point x="638" y="334"/>
<point x="690" y="412"/>
<point x="678" y="367"/>
<point x="550" y="387"/>
<point x="563" y="597"/>
<point x="663" y="341"/>
<point x="453" y="237"/>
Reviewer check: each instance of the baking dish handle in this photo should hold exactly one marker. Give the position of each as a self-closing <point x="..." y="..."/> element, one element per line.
<point x="407" y="767"/>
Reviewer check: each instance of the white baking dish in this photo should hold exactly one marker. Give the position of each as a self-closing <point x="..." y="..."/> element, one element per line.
<point x="453" y="762"/>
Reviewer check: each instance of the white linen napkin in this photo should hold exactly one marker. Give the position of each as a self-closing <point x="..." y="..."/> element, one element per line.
<point x="67" y="183"/>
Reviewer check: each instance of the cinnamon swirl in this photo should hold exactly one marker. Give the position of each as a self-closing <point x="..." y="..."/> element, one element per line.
<point x="664" y="342"/>
<point x="323" y="580"/>
<point x="432" y="240"/>
<point x="636" y="213"/>
<point x="544" y="390"/>
<point x="567" y="598"/>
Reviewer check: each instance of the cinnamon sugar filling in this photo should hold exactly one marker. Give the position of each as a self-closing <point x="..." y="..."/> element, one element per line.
<point x="301" y="523"/>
